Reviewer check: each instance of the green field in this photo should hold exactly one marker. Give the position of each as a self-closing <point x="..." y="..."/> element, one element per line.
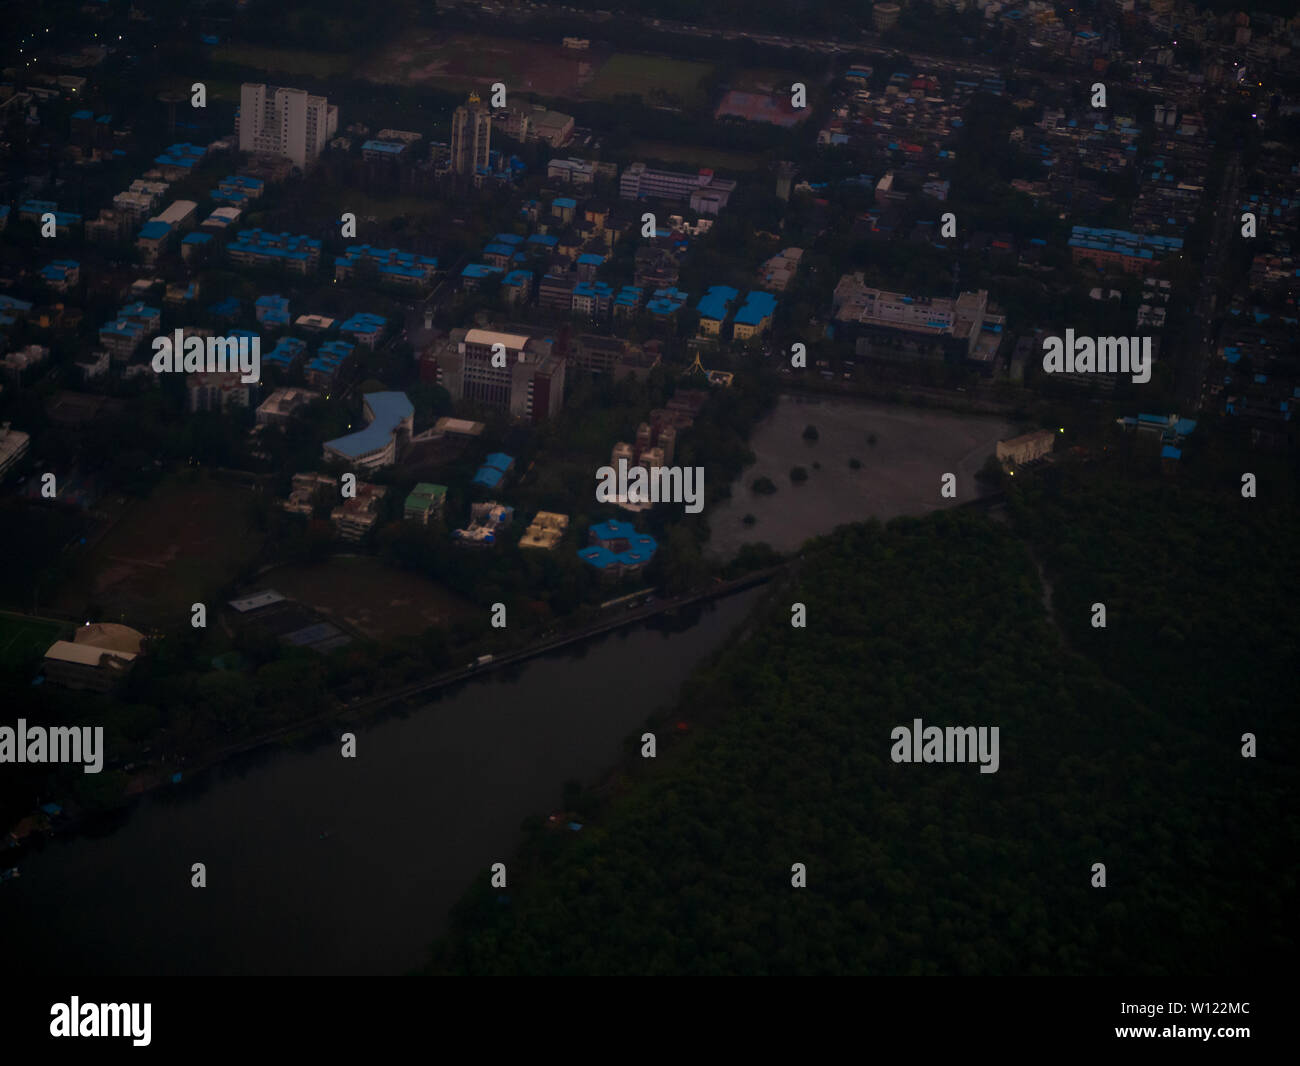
<point x="656" y="79"/>
<point x="21" y="639"/>
<point x="700" y="157"/>
<point x="284" y="60"/>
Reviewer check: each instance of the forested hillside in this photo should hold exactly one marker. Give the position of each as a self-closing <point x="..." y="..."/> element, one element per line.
<point x="927" y="868"/>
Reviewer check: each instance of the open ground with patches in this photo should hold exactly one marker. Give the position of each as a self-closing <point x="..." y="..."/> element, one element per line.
<point x="165" y="554"/>
<point x="464" y="61"/>
<point x="367" y="597"/>
<point x="656" y="79"/>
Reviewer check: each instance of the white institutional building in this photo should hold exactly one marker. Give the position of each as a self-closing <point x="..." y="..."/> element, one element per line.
<point x="285" y="122"/>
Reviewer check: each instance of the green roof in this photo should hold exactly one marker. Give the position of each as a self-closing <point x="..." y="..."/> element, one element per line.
<point x="424" y="494"/>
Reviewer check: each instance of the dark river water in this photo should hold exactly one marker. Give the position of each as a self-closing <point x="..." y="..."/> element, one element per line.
<point x="318" y="864"/>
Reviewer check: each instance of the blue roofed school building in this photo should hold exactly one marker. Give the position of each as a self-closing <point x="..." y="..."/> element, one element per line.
<point x="617" y="549"/>
<point x="754" y="316"/>
<point x="493" y="471"/>
<point x="391" y="418"/>
<point x="713" y="307"/>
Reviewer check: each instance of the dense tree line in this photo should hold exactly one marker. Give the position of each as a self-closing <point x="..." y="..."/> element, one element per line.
<point x="927" y="869"/>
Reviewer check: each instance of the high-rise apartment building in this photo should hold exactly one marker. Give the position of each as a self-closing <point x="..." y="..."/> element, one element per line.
<point x="471" y="131"/>
<point x="284" y="122"/>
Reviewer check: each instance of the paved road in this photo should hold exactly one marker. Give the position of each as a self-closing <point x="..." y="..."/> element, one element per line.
<point x="1196" y="365"/>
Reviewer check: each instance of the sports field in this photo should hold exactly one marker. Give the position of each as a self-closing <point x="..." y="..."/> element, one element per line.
<point x="22" y="639"/>
<point x="463" y="62"/>
<point x="656" y="79"/>
<point x="165" y="554"/>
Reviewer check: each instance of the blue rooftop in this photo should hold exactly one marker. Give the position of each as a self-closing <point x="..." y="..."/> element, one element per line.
<point x="389" y="409"/>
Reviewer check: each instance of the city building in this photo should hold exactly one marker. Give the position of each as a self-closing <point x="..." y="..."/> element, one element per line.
<point x="284" y="405"/>
<point x="578" y="172"/>
<point x="390" y="264"/>
<point x="62" y="274"/>
<point x="924" y="323"/>
<point x="545" y="531"/>
<point x="284" y="122"/>
<point x="1026" y="448"/>
<point x="356" y="515"/>
<point x="216" y="391"/>
<point x="487" y="521"/>
<point x="529" y="384"/>
<point x="494" y="469"/>
<point x="424" y="502"/>
<point x="617" y="549"/>
<point x="258" y="248"/>
<point x="471" y="134"/>
<point x="885" y="16"/>
<point x="713" y="308"/>
<point x="98" y="657"/>
<point x="390" y="416"/>
<point x="309" y="491"/>
<point x="1133" y="253"/>
<point x="706" y="194"/>
<point x="776" y="274"/>
<point x="754" y="316"/>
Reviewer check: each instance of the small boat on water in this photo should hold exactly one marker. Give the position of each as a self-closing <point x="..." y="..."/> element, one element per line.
<point x="10" y="874"/>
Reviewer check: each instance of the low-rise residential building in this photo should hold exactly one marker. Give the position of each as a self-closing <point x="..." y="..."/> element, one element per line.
<point x="258" y="248"/>
<point x="390" y="264"/>
<point x="488" y="520"/>
<point x="216" y="391"/>
<point x="355" y="516"/>
<point x="425" y="501"/>
<point x="283" y="406"/>
<point x="62" y="274"/>
<point x="545" y="531"/>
